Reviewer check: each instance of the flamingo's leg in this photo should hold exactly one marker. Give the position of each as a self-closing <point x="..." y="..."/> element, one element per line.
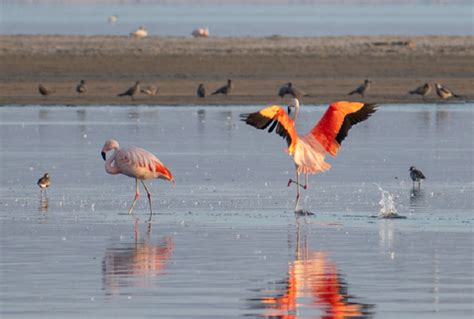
<point x="137" y="195"/>
<point x="306" y="184"/>
<point x="149" y="197"/>
<point x="297" y="190"/>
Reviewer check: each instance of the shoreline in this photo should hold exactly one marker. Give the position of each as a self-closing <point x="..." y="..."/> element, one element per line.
<point x="325" y="68"/>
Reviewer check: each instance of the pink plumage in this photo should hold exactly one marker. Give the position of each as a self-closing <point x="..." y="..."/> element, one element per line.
<point x="134" y="162"/>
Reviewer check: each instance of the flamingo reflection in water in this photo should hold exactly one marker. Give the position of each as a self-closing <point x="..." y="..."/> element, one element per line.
<point x="135" y="265"/>
<point x="312" y="283"/>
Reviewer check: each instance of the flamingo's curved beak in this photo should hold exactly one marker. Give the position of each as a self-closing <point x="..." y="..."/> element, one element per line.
<point x="103" y="155"/>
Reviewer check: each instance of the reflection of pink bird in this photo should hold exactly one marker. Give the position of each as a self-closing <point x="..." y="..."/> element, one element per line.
<point x="137" y="163"/>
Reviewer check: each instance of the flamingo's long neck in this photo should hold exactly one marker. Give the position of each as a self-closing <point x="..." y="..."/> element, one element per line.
<point x="297" y="111"/>
<point x="109" y="168"/>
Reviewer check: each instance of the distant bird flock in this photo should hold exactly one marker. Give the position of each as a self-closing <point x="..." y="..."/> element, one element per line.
<point x="287" y="89"/>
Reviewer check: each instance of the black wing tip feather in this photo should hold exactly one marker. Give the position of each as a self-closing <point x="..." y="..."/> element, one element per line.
<point x="361" y="115"/>
<point x="261" y="122"/>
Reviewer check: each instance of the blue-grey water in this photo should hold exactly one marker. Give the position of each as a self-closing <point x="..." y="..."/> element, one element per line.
<point x="238" y="20"/>
<point x="224" y="242"/>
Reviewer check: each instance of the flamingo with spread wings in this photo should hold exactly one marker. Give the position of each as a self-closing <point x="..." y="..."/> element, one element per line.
<point x="308" y="151"/>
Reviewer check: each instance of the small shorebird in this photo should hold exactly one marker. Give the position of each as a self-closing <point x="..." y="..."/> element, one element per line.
<point x="362" y="89"/>
<point x="308" y="151"/>
<point x="44" y="182"/>
<point x="44" y="91"/>
<point x="134" y="90"/>
<point x="291" y="90"/>
<point x="201" y="91"/>
<point x="81" y="88"/>
<point x="152" y="90"/>
<point x="226" y="89"/>
<point x="140" y="33"/>
<point x="444" y="93"/>
<point x="423" y="90"/>
<point x="136" y="163"/>
<point x="416" y="176"/>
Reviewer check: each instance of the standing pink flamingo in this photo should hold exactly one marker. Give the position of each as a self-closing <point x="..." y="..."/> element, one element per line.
<point x="136" y="163"/>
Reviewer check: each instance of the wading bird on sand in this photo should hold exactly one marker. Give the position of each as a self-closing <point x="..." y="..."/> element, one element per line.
<point x="308" y="151"/>
<point x="136" y="163"/>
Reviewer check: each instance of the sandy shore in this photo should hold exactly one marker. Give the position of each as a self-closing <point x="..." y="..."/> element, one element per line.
<point x="326" y="68"/>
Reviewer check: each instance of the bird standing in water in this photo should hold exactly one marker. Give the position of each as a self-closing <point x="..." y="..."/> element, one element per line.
<point x="44" y="182"/>
<point x="416" y="176"/>
<point x="363" y="88"/>
<point x="136" y="163"/>
<point x="226" y="89"/>
<point x="308" y="151"/>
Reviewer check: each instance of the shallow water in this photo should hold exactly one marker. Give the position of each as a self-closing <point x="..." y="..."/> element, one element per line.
<point x="238" y="20"/>
<point x="224" y="242"/>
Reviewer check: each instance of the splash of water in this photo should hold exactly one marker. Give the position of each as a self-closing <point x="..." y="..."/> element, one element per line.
<point x="387" y="205"/>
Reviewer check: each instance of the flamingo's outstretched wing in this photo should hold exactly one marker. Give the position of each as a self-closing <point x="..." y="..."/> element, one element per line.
<point x="279" y="119"/>
<point x="333" y="127"/>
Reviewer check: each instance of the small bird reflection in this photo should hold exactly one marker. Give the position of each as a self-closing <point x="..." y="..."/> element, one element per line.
<point x="135" y="265"/>
<point x="43" y="202"/>
<point x="312" y="282"/>
<point x="417" y="197"/>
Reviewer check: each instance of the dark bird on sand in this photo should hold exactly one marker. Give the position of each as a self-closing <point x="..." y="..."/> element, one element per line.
<point x="152" y="90"/>
<point x="423" y="90"/>
<point x="44" y="182"/>
<point x="226" y="89"/>
<point x="44" y="91"/>
<point x="445" y="93"/>
<point x="134" y="90"/>
<point x="201" y="91"/>
<point x="81" y="87"/>
<point x="416" y="176"/>
<point x="362" y="89"/>
<point x="291" y="90"/>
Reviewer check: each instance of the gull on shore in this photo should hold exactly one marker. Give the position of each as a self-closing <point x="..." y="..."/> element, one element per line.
<point x="140" y="33"/>
<point x="81" y="88"/>
<point x="201" y="91"/>
<point x="151" y="90"/>
<point x="226" y="89"/>
<point x="200" y="33"/>
<point x="291" y="90"/>
<point x="444" y="92"/>
<point x="132" y="91"/>
<point x="423" y="90"/>
<point x="362" y="89"/>
<point x="44" y="91"/>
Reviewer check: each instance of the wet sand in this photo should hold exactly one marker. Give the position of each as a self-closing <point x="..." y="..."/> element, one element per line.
<point x="326" y="68"/>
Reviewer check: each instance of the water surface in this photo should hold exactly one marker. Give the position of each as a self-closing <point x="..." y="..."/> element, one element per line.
<point x="224" y="242"/>
<point x="238" y="20"/>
